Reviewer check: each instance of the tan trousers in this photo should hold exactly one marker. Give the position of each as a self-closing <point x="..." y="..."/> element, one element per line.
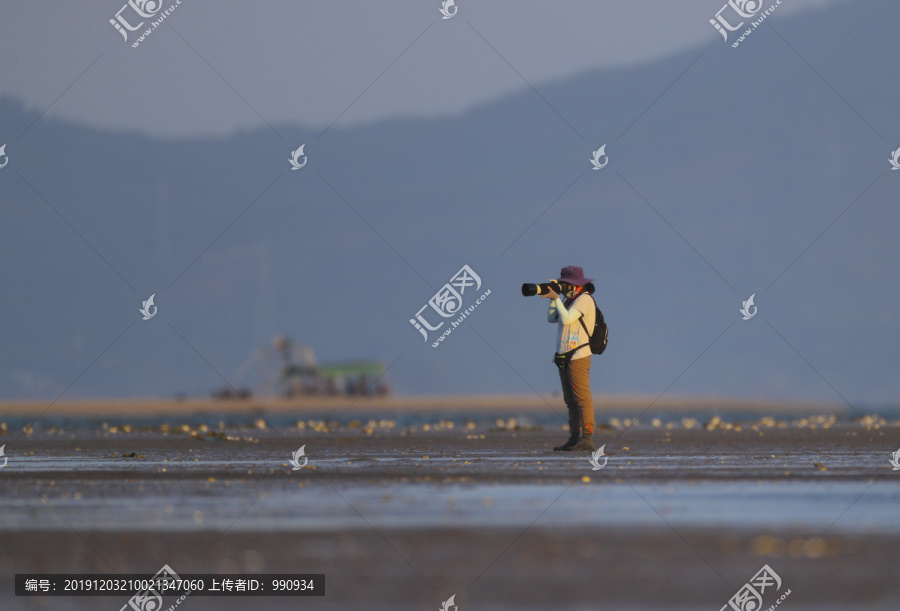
<point x="576" y="386"/>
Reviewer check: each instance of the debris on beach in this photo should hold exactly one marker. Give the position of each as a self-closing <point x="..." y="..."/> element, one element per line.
<point x="626" y="423"/>
<point x="320" y="426"/>
<point x="514" y="425"/>
<point x="220" y="436"/>
<point x="713" y="423"/>
<point x="670" y="424"/>
<point x="820" y="421"/>
<point x="716" y="423"/>
<point x="766" y="545"/>
<point x="872" y="422"/>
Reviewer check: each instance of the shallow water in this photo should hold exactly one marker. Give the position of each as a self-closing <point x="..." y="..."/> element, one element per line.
<point x="846" y="507"/>
<point x="308" y="501"/>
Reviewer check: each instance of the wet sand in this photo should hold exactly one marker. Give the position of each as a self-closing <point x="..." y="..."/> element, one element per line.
<point x="402" y="517"/>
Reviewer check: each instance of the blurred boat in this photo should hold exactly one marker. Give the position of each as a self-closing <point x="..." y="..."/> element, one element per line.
<point x="286" y="369"/>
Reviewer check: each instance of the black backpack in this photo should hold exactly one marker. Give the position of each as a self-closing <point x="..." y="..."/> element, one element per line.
<point x="597" y="339"/>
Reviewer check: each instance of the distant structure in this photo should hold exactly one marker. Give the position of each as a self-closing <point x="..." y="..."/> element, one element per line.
<point x="291" y="370"/>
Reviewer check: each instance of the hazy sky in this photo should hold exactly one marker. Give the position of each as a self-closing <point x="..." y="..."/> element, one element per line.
<point x="312" y="62"/>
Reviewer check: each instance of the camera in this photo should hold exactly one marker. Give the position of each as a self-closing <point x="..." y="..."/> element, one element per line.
<point x="562" y="288"/>
<point x="529" y="290"/>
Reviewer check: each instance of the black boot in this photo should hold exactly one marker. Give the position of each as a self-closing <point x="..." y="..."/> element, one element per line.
<point x="573" y="440"/>
<point x="585" y="443"/>
<point x="574" y="432"/>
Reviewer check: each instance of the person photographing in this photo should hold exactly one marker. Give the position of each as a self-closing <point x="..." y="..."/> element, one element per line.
<point x="574" y="312"/>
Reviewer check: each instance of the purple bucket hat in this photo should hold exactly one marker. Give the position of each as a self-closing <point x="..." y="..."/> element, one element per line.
<point x="573" y="275"/>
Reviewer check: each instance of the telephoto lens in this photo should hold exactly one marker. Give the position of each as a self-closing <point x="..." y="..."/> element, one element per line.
<point x="529" y="290"/>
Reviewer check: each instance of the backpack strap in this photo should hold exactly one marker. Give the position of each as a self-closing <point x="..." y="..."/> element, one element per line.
<point x="583" y="324"/>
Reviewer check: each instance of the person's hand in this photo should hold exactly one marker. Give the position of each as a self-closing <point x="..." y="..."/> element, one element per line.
<point x="551" y="294"/>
